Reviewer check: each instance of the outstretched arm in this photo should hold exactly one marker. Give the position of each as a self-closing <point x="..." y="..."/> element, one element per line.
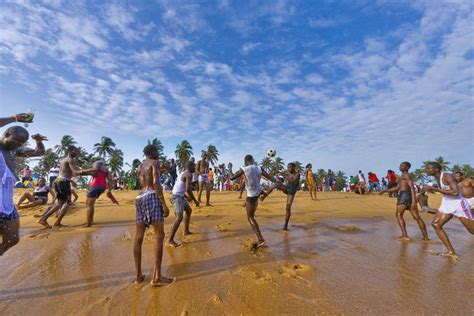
<point x="38" y="151"/>
<point x="394" y="189"/>
<point x="189" y="188"/>
<point x="453" y="187"/>
<point x="269" y="176"/>
<point x="22" y="117"/>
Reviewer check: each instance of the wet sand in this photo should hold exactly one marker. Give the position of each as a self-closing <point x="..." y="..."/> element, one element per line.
<point x="341" y="256"/>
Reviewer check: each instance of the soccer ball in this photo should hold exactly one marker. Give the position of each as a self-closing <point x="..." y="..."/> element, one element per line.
<point x="271" y="152"/>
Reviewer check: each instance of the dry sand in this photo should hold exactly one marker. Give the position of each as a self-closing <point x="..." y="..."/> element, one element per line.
<point x="340" y="256"/>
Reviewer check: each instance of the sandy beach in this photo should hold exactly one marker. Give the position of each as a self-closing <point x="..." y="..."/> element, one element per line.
<point x="341" y="256"/>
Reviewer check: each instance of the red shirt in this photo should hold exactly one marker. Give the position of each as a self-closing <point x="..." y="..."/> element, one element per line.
<point x="373" y="177"/>
<point x="391" y="177"/>
<point x="100" y="180"/>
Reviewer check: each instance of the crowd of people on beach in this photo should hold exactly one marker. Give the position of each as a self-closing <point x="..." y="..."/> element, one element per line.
<point x="187" y="187"/>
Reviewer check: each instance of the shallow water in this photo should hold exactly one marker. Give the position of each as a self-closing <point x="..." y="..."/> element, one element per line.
<point x="339" y="257"/>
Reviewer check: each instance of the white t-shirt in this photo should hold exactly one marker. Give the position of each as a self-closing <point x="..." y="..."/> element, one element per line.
<point x="253" y="174"/>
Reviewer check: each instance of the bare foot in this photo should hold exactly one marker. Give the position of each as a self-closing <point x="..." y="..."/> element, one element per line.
<point x="207" y="204"/>
<point x="173" y="244"/>
<point x="261" y="243"/>
<point x="139" y="279"/>
<point x="59" y="225"/>
<point x="44" y="223"/>
<point x="404" y="238"/>
<point x="245" y="204"/>
<point x="286" y="228"/>
<point x="451" y="255"/>
<point x="188" y="233"/>
<point x="162" y="281"/>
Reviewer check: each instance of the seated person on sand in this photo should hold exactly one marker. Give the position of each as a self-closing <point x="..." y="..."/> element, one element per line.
<point x="360" y="188"/>
<point x="39" y="196"/>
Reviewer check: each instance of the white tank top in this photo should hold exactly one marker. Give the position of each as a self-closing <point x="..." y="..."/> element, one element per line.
<point x="446" y="187"/>
<point x="7" y="182"/>
<point x="180" y="186"/>
<point x="253" y="175"/>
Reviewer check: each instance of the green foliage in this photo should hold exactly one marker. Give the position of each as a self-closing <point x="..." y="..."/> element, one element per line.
<point x="105" y="147"/>
<point x="278" y="165"/>
<point x="66" y="141"/>
<point x="340" y="179"/>
<point x="466" y="169"/>
<point x="159" y="146"/>
<point x="320" y="175"/>
<point x="115" y="162"/>
<point x="49" y="160"/>
<point x="212" y="154"/>
<point x="183" y="153"/>
<point x="266" y="164"/>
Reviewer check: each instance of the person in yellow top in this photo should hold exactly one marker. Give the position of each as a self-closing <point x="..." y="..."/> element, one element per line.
<point x="211" y="178"/>
<point x="310" y="183"/>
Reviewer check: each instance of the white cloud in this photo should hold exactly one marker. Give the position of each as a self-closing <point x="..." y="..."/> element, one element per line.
<point x="248" y="47"/>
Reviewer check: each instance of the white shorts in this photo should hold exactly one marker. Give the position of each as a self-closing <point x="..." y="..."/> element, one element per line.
<point x="458" y="207"/>
<point x="204" y="178"/>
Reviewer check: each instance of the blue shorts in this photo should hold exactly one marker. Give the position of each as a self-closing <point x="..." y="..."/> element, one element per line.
<point x="95" y="192"/>
<point x="148" y="208"/>
<point x="179" y="204"/>
<point x="6" y="218"/>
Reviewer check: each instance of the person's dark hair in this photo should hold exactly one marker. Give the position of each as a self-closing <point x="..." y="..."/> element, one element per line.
<point x="434" y="164"/>
<point x="406" y="163"/>
<point x="149" y="149"/>
<point x="360" y="171"/>
<point x="460" y="173"/>
<point x="309" y="166"/>
<point x="190" y="165"/>
<point x="70" y="149"/>
<point x="292" y="164"/>
<point x="248" y="158"/>
<point x="20" y="133"/>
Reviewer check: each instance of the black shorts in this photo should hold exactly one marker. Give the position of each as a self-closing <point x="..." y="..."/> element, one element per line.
<point x="404" y="198"/>
<point x="252" y="199"/>
<point x="63" y="190"/>
<point x="95" y="192"/>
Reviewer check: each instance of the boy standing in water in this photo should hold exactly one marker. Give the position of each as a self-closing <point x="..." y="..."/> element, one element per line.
<point x="406" y="200"/>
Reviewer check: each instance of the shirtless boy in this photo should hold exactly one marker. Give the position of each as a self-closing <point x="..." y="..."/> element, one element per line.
<point x="406" y="200"/>
<point x="151" y="209"/>
<point x="202" y="170"/>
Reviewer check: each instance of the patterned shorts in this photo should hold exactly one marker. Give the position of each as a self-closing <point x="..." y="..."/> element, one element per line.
<point x="179" y="204"/>
<point x="148" y="208"/>
<point x="6" y="218"/>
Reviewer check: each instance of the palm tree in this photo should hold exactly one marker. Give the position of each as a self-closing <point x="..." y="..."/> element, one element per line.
<point x="466" y="169"/>
<point x="115" y="162"/>
<point x="320" y="175"/>
<point x="183" y="153"/>
<point x="158" y="144"/>
<point x="66" y="141"/>
<point x="278" y="165"/>
<point x="84" y="159"/>
<point x="340" y="180"/>
<point x="444" y="164"/>
<point x="298" y="165"/>
<point x="47" y="162"/>
<point x="212" y="154"/>
<point x="266" y="164"/>
<point x="105" y="147"/>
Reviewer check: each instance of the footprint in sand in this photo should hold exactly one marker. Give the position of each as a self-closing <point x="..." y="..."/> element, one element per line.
<point x="221" y="228"/>
<point x="216" y="299"/>
<point x="347" y="228"/>
<point x="294" y="270"/>
<point x="127" y="236"/>
<point x="39" y="235"/>
<point x="262" y="277"/>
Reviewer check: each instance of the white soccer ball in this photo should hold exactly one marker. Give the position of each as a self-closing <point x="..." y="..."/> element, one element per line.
<point x="271" y="152"/>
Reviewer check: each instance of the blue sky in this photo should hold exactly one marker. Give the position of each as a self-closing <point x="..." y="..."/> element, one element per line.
<point x="342" y="84"/>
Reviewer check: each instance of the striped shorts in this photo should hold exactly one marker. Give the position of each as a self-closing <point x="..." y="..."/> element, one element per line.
<point x="148" y="208"/>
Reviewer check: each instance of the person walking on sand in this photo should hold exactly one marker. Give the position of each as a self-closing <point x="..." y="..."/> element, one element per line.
<point x="453" y="203"/>
<point x="310" y="183"/>
<point x="202" y="170"/>
<point x="406" y="200"/>
<point x="182" y="190"/>
<point x="11" y="143"/>
<point x="151" y="209"/>
<point x="253" y="175"/>
<point x="62" y="187"/>
<point x="101" y="181"/>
